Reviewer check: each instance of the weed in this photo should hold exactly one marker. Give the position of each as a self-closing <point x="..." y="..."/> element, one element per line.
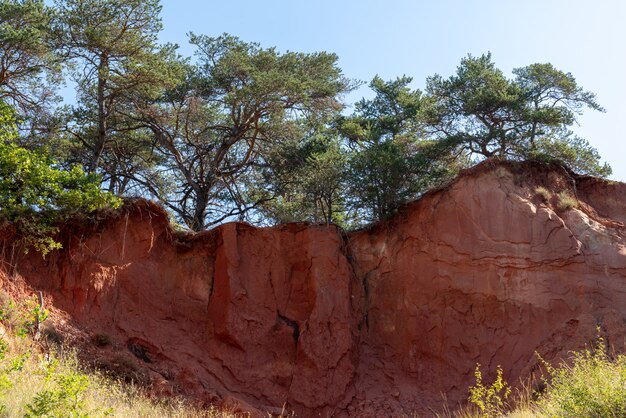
<point x="489" y="399"/>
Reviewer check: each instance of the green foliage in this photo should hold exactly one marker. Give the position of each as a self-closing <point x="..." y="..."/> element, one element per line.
<point x="117" y="66"/>
<point x="29" y="66"/>
<point x="18" y="318"/>
<point x="220" y="123"/>
<point x="571" y="151"/>
<point x="53" y="385"/>
<point x="245" y="132"/>
<point x="5" y="382"/>
<point x="594" y="385"/>
<point x="390" y="114"/>
<point x="66" y="399"/>
<point x="381" y="179"/>
<point x="238" y="73"/>
<point x="8" y="127"/>
<point x="112" y="26"/>
<point x="482" y="111"/>
<point x="323" y="180"/>
<point x="473" y="106"/>
<point x="35" y="194"/>
<point x="305" y="181"/>
<point x="390" y="163"/>
<point x="490" y="400"/>
<point x="591" y="384"/>
<point x="22" y="317"/>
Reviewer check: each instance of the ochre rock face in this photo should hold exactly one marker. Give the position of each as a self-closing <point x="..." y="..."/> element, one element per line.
<point x="379" y="322"/>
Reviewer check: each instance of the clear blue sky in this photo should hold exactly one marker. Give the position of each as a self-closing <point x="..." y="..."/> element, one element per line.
<point x="420" y="38"/>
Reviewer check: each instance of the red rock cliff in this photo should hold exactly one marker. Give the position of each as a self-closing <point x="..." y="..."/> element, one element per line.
<point x="379" y="322"/>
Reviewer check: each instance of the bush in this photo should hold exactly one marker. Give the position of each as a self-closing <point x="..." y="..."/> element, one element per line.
<point x="594" y="385"/>
<point x="36" y="194"/>
<point x="21" y="318"/>
<point x="65" y="399"/>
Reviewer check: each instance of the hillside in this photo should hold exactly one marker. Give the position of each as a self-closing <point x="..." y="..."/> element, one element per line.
<point x="378" y="322"/>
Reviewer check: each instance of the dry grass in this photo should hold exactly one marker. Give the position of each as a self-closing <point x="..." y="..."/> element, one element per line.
<point x="101" y="397"/>
<point x="566" y="201"/>
<point x="544" y="194"/>
<point x="42" y="381"/>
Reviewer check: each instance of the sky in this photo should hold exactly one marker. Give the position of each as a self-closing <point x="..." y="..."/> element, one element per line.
<point x="421" y="38"/>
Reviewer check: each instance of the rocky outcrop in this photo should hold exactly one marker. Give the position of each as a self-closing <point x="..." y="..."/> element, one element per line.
<point x="379" y="322"/>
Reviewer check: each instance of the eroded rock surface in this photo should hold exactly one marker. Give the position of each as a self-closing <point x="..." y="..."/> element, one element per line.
<point x="379" y="322"/>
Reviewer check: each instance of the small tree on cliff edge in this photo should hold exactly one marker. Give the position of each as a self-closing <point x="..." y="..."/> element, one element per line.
<point x="479" y="109"/>
<point x="391" y="162"/>
<point x="35" y="195"/>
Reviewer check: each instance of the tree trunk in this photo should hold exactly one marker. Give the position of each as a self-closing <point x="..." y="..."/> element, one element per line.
<point x="101" y="135"/>
<point x="199" y="213"/>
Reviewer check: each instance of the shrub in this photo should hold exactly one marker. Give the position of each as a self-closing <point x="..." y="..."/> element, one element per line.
<point x="66" y="399"/>
<point x="21" y="317"/>
<point x="36" y="194"/>
<point x="594" y="385"/>
<point x="566" y="201"/>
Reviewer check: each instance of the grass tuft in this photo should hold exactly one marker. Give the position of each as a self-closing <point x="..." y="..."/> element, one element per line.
<point x="544" y="194"/>
<point x="566" y="201"/>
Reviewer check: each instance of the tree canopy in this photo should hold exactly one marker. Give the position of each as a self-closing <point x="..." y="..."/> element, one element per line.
<point x="112" y="47"/>
<point x="488" y="114"/>
<point x="392" y="161"/>
<point x="29" y="62"/>
<point x="241" y="131"/>
<point x="217" y="123"/>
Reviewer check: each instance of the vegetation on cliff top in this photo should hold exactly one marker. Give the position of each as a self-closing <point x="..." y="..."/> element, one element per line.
<point x="244" y="132"/>
<point x="36" y="194"/>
